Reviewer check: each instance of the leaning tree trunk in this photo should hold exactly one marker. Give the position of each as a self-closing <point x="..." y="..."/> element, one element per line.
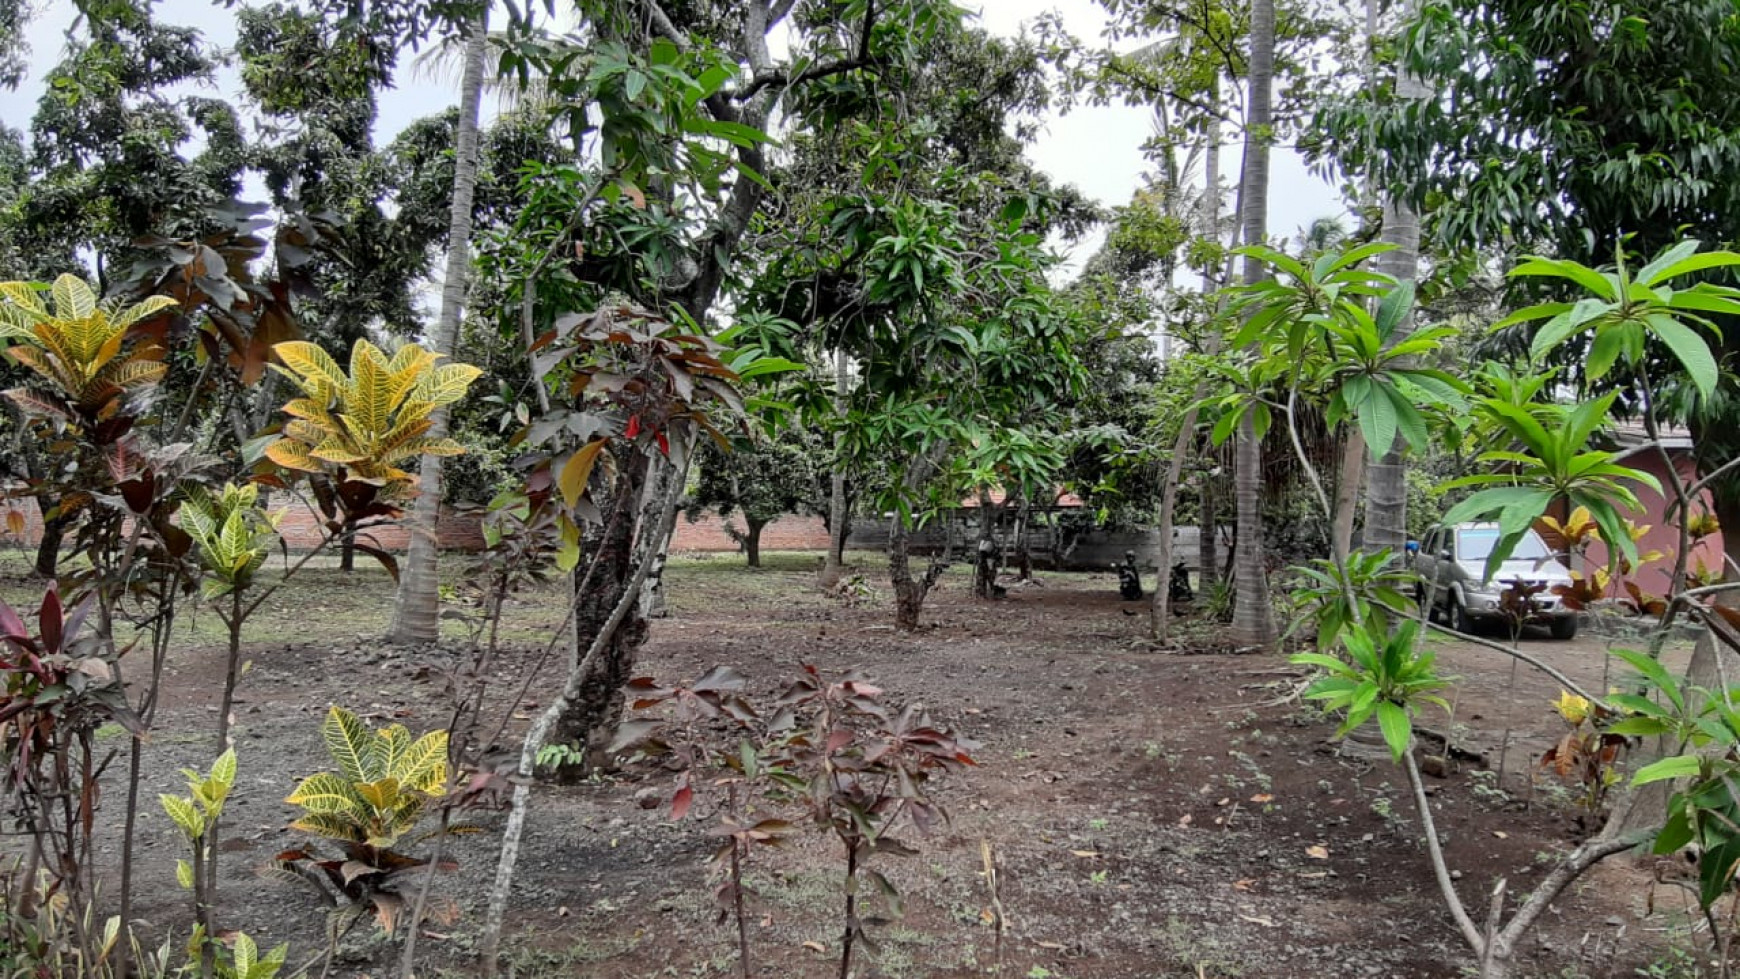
<point x="591" y="716"/>
<point x="417" y="610"/>
<point x="1253" y="621"/>
<point x="1347" y="494"/>
<point x="1160" y="611"/>
<point x="600" y="661"/>
<point x="1386" y="507"/>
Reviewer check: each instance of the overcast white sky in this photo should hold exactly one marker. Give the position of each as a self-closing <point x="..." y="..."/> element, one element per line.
<point x="1098" y="149"/>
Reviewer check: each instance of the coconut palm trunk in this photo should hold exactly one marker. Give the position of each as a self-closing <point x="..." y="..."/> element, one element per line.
<point x="416" y="612"/>
<point x="1253" y="621"/>
<point x="1386" y="507"/>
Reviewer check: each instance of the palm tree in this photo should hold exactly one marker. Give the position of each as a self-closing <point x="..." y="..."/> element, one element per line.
<point x="1386" y="506"/>
<point x="416" y="612"/>
<point x="1253" y="622"/>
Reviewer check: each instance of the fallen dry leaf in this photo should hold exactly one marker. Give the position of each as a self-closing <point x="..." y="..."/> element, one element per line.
<point x="1501" y="834"/>
<point x="1085" y="853"/>
<point x="815" y="946"/>
<point x="1317" y="852"/>
<point x="1054" y="946"/>
<point x="1265" y="922"/>
<point x="1262" y="797"/>
<point x="1243" y="885"/>
<point x="1315" y="875"/>
<point x="1223" y="801"/>
<point x="1184" y="820"/>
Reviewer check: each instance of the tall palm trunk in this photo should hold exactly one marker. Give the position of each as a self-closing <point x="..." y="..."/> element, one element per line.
<point x="1253" y="622"/>
<point x="416" y="613"/>
<point x="1386" y="508"/>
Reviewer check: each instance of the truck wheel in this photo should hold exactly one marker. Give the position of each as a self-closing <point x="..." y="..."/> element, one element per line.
<point x="1460" y="620"/>
<point x="1565" y="627"/>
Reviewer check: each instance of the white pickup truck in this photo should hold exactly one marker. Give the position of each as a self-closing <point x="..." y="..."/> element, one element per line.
<point x="1451" y="563"/>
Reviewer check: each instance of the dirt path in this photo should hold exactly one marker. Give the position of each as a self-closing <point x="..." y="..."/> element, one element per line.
<point x="1149" y="813"/>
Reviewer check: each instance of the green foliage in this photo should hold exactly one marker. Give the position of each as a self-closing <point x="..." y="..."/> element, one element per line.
<point x="1555" y="463"/>
<point x="1385" y="676"/>
<point x="233" y="533"/>
<point x="1621" y="310"/>
<point x="764" y="478"/>
<point x="194" y="815"/>
<point x="1704" y="809"/>
<point x="1378" y="588"/>
<point x="384" y="783"/>
<point x="1315" y="336"/>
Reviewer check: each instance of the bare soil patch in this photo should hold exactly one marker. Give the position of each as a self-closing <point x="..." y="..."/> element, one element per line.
<point x="1151" y="813"/>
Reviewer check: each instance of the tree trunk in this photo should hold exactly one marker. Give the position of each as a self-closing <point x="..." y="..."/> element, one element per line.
<point x="1207" y="532"/>
<point x="417" y="610"/>
<point x="752" y="541"/>
<point x="908" y="599"/>
<point x="347" y="547"/>
<point x="1253" y="622"/>
<point x="1347" y="493"/>
<point x="1023" y="555"/>
<point x="53" y="532"/>
<point x="837" y="522"/>
<point x="590" y="717"/>
<point x="1386" y="506"/>
<point x="984" y="560"/>
<point x="1160" y="610"/>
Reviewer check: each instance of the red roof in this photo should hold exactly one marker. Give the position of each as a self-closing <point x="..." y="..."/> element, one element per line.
<point x="1064" y="499"/>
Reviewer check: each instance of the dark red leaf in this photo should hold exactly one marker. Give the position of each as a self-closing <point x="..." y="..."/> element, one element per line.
<point x="49" y="619"/>
<point x="680" y="803"/>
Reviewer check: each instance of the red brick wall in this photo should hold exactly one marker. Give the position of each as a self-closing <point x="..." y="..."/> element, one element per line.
<point x="788" y="533"/>
<point x="459" y="530"/>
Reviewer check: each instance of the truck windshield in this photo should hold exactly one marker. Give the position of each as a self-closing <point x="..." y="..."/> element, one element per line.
<point x="1476" y="543"/>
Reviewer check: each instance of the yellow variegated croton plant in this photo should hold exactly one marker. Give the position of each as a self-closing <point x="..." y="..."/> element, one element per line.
<point x="233" y="533"/>
<point x="385" y="781"/>
<point x="370" y="420"/>
<point x="79" y="346"/>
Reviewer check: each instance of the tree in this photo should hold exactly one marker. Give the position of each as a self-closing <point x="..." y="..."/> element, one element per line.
<point x="416" y="611"/>
<point x="1386" y="509"/>
<point x="764" y="479"/>
<point x="1571" y="132"/>
<point x="1253" y="622"/>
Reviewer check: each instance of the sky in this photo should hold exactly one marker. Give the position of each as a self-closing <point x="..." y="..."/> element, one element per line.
<point x="1095" y="148"/>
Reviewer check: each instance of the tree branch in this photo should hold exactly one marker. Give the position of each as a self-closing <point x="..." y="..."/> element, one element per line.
<point x="839" y="66"/>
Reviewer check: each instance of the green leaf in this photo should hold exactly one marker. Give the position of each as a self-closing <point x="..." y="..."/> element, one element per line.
<point x="185" y="816"/>
<point x="1653" y="672"/>
<point x="1651" y="274"/>
<point x="1675" y="833"/>
<point x="1396" y="727"/>
<point x="1583" y="275"/>
<point x="1678" y="766"/>
<point x="1690" y="348"/>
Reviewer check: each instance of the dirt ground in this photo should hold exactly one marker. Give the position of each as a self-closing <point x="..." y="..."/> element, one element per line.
<point x="1150" y="813"/>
